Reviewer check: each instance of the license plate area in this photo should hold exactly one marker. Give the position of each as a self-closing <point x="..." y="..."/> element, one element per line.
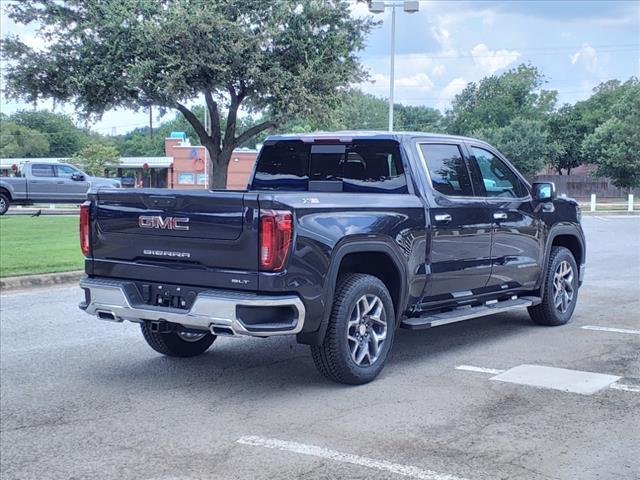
<point x="166" y="295"/>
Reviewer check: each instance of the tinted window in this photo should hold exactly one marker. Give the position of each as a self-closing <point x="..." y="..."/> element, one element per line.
<point x="448" y="172"/>
<point x="42" y="171"/>
<point x="498" y="180"/>
<point x="360" y="166"/>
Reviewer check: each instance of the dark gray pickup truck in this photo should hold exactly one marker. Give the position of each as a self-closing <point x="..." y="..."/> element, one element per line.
<point x="340" y="239"/>
<point x="49" y="182"/>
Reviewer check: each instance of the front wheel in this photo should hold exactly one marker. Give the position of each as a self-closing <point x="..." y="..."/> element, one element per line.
<point x="360" y="331"/>
<point x="4" y="203"/>
<point x="176" y="343"/>
<point x="560" y="290"/>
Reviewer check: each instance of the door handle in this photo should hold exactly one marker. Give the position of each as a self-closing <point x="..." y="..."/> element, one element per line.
<point x="442" y="217"/>
<point x="499" y="216"/>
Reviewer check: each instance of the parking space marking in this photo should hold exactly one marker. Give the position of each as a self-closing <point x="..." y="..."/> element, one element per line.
<point x="471" y="368"/>
<point x="574" y="381"/>
<point x="625" y="387"/>
<point x="315" y="451"/>
<point x="610" y="329"/>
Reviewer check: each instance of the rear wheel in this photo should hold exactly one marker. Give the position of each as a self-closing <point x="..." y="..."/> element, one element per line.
<point x="176" y="343"/>
<point x="560" y="290"/>
<point x="4" y="203"/>
<point x="360" y="332"/>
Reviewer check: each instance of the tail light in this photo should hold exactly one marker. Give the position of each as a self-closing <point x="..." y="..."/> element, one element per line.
<point x="85" y="246"/>
<point x="276" y="231"/>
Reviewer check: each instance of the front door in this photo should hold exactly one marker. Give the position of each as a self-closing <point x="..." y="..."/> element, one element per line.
<point x="69" y="189"/>
<point x="460" y="252"/>
<point x="517" y="247"/>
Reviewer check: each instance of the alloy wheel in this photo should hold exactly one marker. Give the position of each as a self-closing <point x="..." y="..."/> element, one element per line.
<point x="367" y="330"/>
<point x="563" y="290"/>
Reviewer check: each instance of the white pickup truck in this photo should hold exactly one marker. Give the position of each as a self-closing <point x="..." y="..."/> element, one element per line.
<point x="49" y="182"/>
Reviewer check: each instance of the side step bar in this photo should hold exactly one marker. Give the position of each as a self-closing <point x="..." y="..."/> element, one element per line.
<point x="466" y="313"/>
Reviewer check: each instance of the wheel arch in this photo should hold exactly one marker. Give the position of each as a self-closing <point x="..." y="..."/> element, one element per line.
<point x="567" y="236"/>
<point x="375" y="257"/>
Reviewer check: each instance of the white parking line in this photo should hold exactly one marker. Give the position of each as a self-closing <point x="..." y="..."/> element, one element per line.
<point x="315" y="451"/>
<point x="610" y="329"/>
<point x="626" y="388"/>
<point x="470" y="368"/>
<point x="576" y="379"/>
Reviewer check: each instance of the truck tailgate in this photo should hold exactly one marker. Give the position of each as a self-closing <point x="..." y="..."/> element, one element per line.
<point x="201" y="237"/>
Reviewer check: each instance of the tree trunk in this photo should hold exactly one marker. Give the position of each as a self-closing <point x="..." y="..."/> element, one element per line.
<point x="218" y="168"/>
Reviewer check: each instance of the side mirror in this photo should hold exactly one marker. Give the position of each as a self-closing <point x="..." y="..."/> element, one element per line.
<point x="78" y="177"/>
<point x="544" y="191"/>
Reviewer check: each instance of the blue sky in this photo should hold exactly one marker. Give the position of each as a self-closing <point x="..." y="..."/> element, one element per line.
<point x="576" y="44"/>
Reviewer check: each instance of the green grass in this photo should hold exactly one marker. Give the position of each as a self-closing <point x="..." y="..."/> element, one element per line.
<point x="45" y="244"/>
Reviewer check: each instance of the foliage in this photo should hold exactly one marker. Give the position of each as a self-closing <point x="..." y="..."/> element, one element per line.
<point x="95" y="158"/>
<point x="17" y="141"/>
<point x="25" y="244"/>
<point x="614" y="146"/>
<point x="524" y="142"/>
<point x="497" y="100"/>
<point x="283" y="58"/>
<point x="64" y="137"/>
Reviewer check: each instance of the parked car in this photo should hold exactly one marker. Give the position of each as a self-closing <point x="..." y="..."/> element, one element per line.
<point x="339" y="240"/>
<point x="49" y="182"/>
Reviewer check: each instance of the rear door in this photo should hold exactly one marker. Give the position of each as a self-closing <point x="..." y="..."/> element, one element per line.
<point x="460" y="255"/>
<point x="43" y="183"/>
<point x="186" y="237"/>
<point x="517" y="247"/>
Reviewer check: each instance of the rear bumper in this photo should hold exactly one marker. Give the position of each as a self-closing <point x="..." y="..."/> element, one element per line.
<point x="218" y="311"/>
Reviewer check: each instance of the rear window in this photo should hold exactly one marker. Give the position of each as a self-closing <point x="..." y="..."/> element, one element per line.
<point x="360" y="166"/>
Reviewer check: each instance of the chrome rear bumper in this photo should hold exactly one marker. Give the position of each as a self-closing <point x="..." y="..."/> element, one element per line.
<point x="213" y="310"/>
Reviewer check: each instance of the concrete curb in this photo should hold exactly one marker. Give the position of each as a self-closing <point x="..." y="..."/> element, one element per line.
<point x="33" y="281"/>
<point x="43" y="211"/>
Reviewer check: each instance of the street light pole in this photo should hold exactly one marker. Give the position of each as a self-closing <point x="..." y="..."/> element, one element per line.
<point x="393" y="63"/>
<point x="410" y="6"/>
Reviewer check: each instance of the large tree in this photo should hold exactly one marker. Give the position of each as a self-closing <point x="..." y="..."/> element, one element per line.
<point x="496" y="101"/>
<point x="64" y="137"/>
<point x="614" y="146"/>
<point x="18" y="141"/>
<point x="281" y="57"/>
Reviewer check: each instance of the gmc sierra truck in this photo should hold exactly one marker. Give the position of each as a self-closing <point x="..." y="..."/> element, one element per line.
<point x="49" y="182"/>
<point x="340" y="239"/>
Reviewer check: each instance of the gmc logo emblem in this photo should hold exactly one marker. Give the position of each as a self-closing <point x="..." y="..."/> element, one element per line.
<point x="166" y="223"/>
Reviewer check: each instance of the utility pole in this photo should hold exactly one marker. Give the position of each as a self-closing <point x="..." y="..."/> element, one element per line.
<point x="379" y="7"/>
<point x="150" y="121"/>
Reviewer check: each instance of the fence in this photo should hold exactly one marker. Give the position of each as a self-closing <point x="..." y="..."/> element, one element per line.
<point x="583" y="186"/>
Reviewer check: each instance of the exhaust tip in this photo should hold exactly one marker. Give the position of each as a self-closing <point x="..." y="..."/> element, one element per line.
<point x="106" y="315"/>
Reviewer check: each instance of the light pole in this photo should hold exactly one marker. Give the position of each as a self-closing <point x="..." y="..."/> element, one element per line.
<point x="379" y="7"/>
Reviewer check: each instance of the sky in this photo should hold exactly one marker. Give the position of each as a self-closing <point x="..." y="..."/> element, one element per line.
<point x="575" y="44"/>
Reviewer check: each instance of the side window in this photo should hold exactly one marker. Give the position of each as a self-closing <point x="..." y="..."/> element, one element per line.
<point x="497" y="179"/>
<point x="448" y="172"/>
<point x="42" y="170"/>
<point x="65" y="171"/>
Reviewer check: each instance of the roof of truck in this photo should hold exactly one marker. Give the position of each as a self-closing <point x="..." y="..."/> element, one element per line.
<point x="362" y="134"/>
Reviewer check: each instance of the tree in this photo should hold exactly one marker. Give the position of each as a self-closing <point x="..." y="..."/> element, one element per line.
<point x="524" y="142"/>
<point x="615" y="145"/>
<point x="497" y="100"/>
<point x="63" y="135"/>
<point x="17" y="141"/>
<point x="95" y="158"/>
<point x="283" y="57"/>
<point x="568" y="128"/>
<point x="418" y="118"/>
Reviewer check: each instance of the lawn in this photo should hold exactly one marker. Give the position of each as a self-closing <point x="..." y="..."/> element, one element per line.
<point x="44" y="244"/>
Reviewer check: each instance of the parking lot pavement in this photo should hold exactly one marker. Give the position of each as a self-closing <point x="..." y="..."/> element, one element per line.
<point x="81" y="398"/>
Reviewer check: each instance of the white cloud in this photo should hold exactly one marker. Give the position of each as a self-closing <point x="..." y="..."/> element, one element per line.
<point x="493" y="60"/>
<point x="454" y="87"/>
<point x="418" y="82"/>
<point x="438" y="70"/>
<point x="587" y="57"/>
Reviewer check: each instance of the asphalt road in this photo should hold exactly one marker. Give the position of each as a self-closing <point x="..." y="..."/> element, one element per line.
<point x="82" y="398"/>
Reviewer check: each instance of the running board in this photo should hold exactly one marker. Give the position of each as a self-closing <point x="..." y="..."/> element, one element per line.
<point x="466" y="313"/>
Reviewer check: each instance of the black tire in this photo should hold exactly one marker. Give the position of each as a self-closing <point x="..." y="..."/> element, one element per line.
<point x="173" y="345"/>
<point x="4" y="203"/>
<point x="547" y="313"/>
<point x="334" y="358"/>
